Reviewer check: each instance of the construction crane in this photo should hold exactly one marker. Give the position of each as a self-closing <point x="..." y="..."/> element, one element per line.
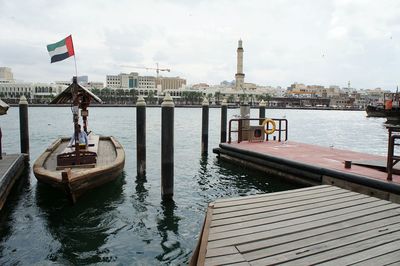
<point x="157" y="69"/>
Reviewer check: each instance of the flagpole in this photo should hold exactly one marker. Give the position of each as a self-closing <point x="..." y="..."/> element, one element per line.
<point x="76" y="69"/>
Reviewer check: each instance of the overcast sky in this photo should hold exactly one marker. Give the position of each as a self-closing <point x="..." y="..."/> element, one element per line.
<point x="285" y="41"/>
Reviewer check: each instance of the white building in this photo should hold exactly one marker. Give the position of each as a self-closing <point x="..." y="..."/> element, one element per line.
<point x="6" y="75"/>
<point x="123" y="80"/>
<point x="147" y="82"/>
<point x="14" y="90"/>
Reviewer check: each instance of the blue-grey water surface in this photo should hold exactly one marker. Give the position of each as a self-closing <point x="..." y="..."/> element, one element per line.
<point x="125" y="222"/>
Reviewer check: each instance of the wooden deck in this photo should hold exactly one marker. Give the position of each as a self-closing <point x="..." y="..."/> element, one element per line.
<point x="317" y="225"/>
<point x="11" y="167"/>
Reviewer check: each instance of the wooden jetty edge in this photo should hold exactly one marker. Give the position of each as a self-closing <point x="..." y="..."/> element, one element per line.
<point x="11" y="168"/>
<point x="322" y="224"/>
<point x="315" y="165"/>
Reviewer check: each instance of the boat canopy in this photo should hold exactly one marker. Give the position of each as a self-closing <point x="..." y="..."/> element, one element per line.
<point x="66" y="95"/>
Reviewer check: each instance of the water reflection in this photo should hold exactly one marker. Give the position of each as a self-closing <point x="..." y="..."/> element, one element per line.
<point x="141" y="192"/>
<point x="167" y="226"/>
<point x="84" y="226"/>
<point x="21" y="187"/>
<point x="245" y="181"/>
<point x="203" y="173"/>
<point x="140" y="205"/>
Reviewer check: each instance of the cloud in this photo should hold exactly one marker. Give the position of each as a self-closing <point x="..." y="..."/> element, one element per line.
<point x="311" y="41"/>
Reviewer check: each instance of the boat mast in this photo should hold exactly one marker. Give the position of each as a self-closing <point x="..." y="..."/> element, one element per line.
<point x="75" y="117"/>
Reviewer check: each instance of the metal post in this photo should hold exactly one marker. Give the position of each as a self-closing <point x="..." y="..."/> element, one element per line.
<point x="224" y="108"/>
<point x="204" y="127"/>
<point x="167" y="147"/>
<point x="23" y="126"/>
<point x="261" y="111"/>
<point x="141" y="137"/>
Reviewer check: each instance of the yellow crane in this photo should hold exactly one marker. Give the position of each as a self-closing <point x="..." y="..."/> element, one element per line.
<point x="157" y="69"/>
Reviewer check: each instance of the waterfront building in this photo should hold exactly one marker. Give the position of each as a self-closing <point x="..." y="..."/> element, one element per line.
<point x="200" y="85"/>
<point x="34" y="92"/>
<point x="6" y="75"/>
<point x="84" y="81"/>
<point x="171" y="83"/>
<point x="130" y="81"/>
<point x="94" y="85"/>
<point x="123" y="80"/>
<point x="147" y="82"/>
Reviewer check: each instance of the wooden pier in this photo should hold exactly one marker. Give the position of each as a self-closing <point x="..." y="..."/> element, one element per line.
<point x="315" y="165"/>
<point x="317" y="225"/>
<point x="11" y="167"/>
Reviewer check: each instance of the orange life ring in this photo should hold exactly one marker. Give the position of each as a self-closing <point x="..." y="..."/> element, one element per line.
<point x="266" y="122"/>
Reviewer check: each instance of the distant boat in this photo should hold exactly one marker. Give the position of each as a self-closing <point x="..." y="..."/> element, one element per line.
<point x="81" y="167"/>
<point x="390" y="109"/>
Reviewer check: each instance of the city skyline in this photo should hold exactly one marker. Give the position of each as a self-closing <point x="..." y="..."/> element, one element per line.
<point x="312" y="42"/>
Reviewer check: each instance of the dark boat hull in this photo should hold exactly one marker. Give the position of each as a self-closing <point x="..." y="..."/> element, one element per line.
<point x="390" y="114"/>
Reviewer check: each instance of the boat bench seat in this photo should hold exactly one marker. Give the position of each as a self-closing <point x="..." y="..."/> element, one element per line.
<point x="88" y="155"/>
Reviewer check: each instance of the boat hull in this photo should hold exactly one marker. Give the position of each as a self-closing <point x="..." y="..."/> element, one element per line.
<point x="75" y="181"/>
<point x="390" y="114"/>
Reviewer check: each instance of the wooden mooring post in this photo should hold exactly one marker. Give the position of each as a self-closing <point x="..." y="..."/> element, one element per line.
<point x="261" y="108"/>
<point x="23" y="126"/>
<point x="141" y="137"/>
<point x="224" y="110"/>
<point x="204" y="127"/>
<point x="167" y="148"/>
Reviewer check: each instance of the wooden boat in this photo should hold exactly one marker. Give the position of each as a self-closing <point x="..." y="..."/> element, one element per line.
<point x="79" y="168"/>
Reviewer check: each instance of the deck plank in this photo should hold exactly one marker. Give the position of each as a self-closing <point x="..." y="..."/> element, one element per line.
<point x="392" y="258"/>
<point x="277" y="238"/>
<point x="305" y="239"/>
<point x="262" y="207"/>
<point x="351" y="228"/>
<point x="267" y="201"/>
<point x="223" y="203"/>
<point x="313" y="212"/>
<point x="333" y="248"/>
<point x="288" y="208"/>
<point x="296" y="221"/>
<point x="226" y="259"/>
<point x="11" y="168"/>
<point x="355" y="253"/>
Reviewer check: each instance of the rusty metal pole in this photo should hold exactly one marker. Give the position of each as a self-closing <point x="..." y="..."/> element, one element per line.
<point x="224" y="108"/>
<point x="167" y="148"/>
<point x="204" y="127"/>
<point x="261" y="111"/>
<point x="23" y="126"/>
<point x="141" y="137"/>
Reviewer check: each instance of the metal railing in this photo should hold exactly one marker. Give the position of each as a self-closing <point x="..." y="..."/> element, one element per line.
<point x="281" y="128"/>
<point x="392" y="158"/>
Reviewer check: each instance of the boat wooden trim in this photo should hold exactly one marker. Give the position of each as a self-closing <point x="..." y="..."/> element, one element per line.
<point x="76" y="181"/>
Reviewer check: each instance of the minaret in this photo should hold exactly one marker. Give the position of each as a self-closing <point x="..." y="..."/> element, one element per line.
<point x="239" y="74"/>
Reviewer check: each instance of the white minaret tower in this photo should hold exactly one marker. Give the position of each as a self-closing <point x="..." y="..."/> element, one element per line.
<point x="239" y="74"/>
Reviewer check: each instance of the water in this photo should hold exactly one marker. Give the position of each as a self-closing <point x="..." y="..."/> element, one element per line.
<point x="125" y="222"/>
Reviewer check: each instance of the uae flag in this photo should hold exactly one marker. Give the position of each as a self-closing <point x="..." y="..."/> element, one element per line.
<point x="61" y="50"/>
